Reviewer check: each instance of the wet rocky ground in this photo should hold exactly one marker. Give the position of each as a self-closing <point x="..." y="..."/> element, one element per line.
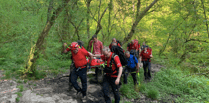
<point x="56" y="90"/>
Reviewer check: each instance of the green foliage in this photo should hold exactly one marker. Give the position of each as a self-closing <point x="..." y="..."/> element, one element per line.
<point x="25" y="81"/>
<point x="7" y="74"/>
<point x="21" y="87"/>
<point x="19" y="81"/>
<point x="19" y="94"/>
<point x="142" y="88"/>
<point x="128" y="90"/>
<point x="113" y="100"/>
<point x="152" y="93"/>
<point x="17" y="99"/>
<point x="172" y="82"/>
<point x="39" y="74"/>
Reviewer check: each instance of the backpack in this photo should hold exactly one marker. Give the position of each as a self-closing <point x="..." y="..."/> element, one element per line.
<point x="80" y="43"/>
<point x="128" y="44"/>
<point x="118" y="42"/>
<point x="131" y="69"/>
<point x="136" y="41"/>
<point x="134" y="53"/>
<point x="109" y="69"/>
<point x="119" y="51"/>
<point x="149" y="48"/>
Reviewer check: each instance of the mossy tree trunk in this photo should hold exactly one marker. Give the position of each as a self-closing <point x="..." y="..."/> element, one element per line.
<point x="39" y="44"/>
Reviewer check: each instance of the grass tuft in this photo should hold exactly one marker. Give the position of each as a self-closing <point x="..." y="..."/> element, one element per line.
<point x="153" y="93"/>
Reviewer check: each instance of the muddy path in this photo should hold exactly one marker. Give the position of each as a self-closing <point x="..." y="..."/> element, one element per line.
<point x="57" y="90"/>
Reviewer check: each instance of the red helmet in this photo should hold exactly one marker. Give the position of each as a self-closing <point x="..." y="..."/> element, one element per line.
<point x="73" y="45"/>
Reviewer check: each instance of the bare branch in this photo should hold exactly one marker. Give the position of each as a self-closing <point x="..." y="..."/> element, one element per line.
<point x="99" y="27"/>
<point x="138" y="8"/>
<point x="72" y="23"/>
<point x="138" y="18"/>
<point x="196" y="40"/>
<point x="80" y="23"/>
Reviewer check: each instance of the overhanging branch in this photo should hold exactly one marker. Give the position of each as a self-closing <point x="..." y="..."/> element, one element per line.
<point x="196" y="40"/>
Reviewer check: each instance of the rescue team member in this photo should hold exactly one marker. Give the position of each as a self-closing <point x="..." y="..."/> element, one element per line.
<point x="95" y="46"/>
<point x="72" y="64"/>
<point x="132" y="67"/>
<point x="146" y="55"/>
<point x="115" y="44"/>
<point x="143" y="46"/>
<point x="111" y="79"/>
<point x="115" y="41"/>
<point x="79" y="58"/>
<point x="133" y="46"/>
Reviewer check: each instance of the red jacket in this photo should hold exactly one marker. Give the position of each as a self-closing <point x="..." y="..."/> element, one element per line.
<point x="146" y="55"/>
<point x="117" y="62"/>
<point x="133" y="46"/>
<point x="79" y="58"/>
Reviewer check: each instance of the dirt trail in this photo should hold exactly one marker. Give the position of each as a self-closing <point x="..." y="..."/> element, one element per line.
<point x="56" y="90"/>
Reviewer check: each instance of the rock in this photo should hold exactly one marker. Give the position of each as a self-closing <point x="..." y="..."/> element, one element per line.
<point x="55" y="97"/>
<point x="29" y="97"/>
<point x="5" y="97"/>
<point x="46" y="100"/>
<point x="155" y="101"/>
<point x="67" y="101"/>
<point x="93" y="88"/>
<point x="13" y="99"/>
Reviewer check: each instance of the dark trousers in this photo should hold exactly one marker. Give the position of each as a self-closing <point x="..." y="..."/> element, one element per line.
<point x="72" y="67"/>
<point x="147" y="74"/>
<point x="83" y="76"/>
<point x="110" y="81"/>
<point x="126" y="72"/>
<point x="97" y="72"/>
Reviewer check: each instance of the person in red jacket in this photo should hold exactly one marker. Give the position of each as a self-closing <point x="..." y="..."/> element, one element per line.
<point x="95" y="46"/>
<point x="132" y="46"/>
<point x="113" y="71"/>
<point x="80" y="70"/>
<point x="145" y="56"/>
<point x="114" y="41"/>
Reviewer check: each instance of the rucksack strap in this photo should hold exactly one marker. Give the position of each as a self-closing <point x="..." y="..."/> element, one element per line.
<point x="113" y="61"/>
<point x="135" y="60"/>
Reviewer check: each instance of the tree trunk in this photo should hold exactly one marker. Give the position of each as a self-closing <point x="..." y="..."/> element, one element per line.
<point x="205" y="17"/>
<point x="99" y="27"/>
<point x="109" y="19"/>
<point x="138" y="18"/>
<point x="49" y="10"/>
<point x="44" y="33"/>
<point x="48" y="18"/>
<point x="88" y="15"/>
